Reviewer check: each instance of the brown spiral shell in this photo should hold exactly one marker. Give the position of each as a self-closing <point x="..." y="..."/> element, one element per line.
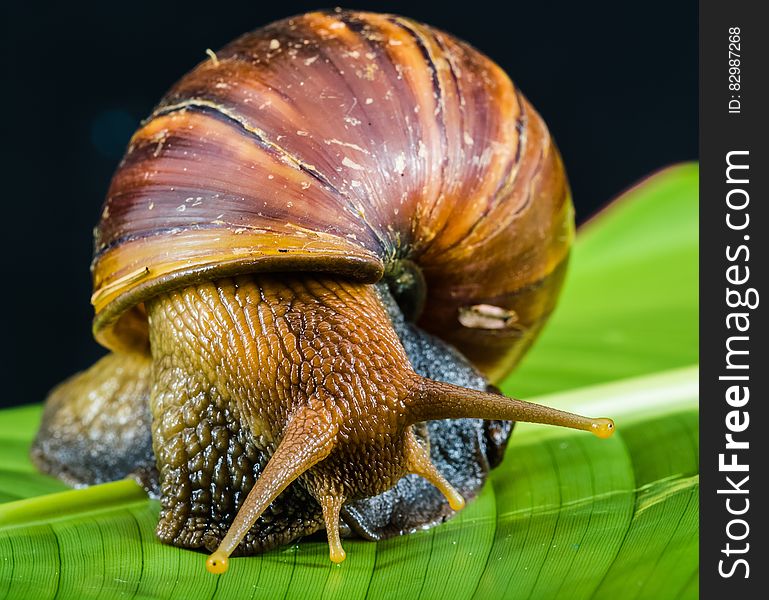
<point x="344" y="142"/>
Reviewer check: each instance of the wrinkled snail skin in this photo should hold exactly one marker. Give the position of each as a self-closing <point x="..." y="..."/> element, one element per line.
<point x="86" y="437"/>
<point x="293" y="359"/>
<point x="287" y="210"/>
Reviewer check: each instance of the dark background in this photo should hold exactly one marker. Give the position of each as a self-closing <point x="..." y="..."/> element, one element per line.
<point x="617" y="85"/>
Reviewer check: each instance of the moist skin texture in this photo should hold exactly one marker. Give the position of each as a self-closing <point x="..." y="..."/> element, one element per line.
<point x="96" y="428"/>
<point x="236" y="361"/>
<point x="313" y="369"/>
<point x="264" y="381"/>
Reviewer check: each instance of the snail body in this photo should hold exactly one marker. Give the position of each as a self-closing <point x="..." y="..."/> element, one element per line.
<point x="295" y="242"/>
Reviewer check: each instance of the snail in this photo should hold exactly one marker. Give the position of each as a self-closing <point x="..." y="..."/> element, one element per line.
<point x="318" y="253"/>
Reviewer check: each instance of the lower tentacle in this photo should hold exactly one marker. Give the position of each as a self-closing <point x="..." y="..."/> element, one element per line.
<point x="418" y="462"/>
<point x="332" y="505"/>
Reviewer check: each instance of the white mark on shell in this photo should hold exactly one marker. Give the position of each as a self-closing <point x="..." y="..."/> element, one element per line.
<point x="346" y="145"/>
<point x="487" y="316"/>
<point x="400" y="163"/>
<point x="347" y="162"/>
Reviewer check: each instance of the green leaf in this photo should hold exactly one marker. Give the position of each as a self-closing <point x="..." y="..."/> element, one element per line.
<point x="566" y="515"/>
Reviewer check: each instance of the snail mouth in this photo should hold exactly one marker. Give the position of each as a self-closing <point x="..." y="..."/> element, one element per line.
<point x="311" y="449"/>
<point x="458" y="449"/>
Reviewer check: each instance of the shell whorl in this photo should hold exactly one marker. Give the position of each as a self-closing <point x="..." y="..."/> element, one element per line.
<point x="342" y="142"/>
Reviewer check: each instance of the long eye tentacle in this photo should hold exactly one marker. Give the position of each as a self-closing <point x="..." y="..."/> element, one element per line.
<point x="307" y="440"/>
<point x="437" y="400"/>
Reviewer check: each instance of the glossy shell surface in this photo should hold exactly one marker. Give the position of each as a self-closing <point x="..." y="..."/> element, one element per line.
<point x="344" y="142"/>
